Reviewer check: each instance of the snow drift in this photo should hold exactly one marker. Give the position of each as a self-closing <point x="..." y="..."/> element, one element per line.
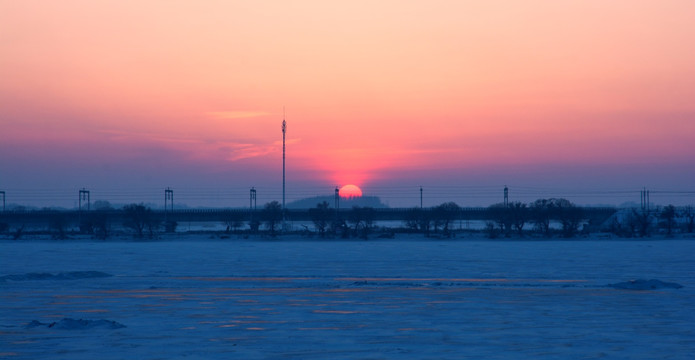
<point x="641" y="284"/>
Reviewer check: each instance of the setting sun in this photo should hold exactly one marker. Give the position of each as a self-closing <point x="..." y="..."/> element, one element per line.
<point x="350" y="191"/>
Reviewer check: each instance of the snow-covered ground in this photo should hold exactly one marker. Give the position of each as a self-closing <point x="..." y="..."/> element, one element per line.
<point x="381" y="299"/>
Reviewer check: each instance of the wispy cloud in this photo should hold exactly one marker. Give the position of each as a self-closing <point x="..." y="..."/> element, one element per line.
<point x="196" y="148"/>
<point x="246" y="151"/>
<point x="236" y="114"/>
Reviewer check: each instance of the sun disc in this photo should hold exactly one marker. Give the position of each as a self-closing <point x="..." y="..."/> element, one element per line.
<point x="350" y="191"/>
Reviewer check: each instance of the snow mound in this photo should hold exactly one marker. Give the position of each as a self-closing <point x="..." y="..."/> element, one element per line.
<point x="71" y="275"/>
<point x="641" y="284"/>
<point x="72" y="324"/>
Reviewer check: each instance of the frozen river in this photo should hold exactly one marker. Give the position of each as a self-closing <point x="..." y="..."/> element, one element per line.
<point x="414" y="299"/>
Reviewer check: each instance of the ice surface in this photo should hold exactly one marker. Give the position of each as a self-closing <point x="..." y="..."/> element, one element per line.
<point x="72" y="324"/>
<point x="71" y="275"/>
<point x="380" y="299"/>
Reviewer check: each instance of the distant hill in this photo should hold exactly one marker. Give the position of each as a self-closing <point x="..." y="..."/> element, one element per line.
<point x="363" y="201"/>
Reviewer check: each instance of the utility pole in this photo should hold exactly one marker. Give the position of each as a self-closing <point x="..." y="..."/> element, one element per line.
<point x="506" y="196"/>
<point x="420" y="197"/>
<point x="252" y="199"/>
<point x="168" y="200"/>
<point x="644" y="199"/>
<point x="83" y="195"/>
<point x="284" y="131"/>
<point x="337" y="199"/>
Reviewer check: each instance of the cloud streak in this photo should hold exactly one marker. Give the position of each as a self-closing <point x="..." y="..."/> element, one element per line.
<point x="196" y="148"/>
<point x="222" y="115"/>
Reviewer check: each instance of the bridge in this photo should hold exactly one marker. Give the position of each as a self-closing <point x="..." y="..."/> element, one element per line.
<point x="73" y="218"/>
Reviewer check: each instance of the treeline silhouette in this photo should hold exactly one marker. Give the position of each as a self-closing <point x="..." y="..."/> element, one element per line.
<point x="554" y="217"/>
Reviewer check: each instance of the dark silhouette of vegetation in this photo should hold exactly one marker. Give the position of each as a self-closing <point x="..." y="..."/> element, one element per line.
<point x="362" y="219"/>
<point x="632" y="223"/>
<point x="233" y="224"/>
<point x="254" y="225"/>
<point x="170" y="226"/>
<point x="551" y="217"/>
<point x="100" y="223"/>
<point x="519" y="216"/>
<point x="491" y="230"/>
<point x="18" y="233"/>
<point x="272" y="215"/>
<point x="412" y="219"/>
<point x="58" y="224"/>
<point x="689" y="216"/>
<point x="569" y="215"/>
<point x="321" y="216"/>
<point x="140" y="218"/>
<point x="444" y="215"/>
<point x="501" y="214"/>
<point x="509" y="218"/>
<point x="418" y="219"/>
<point x="668" y="217"/>
<point x="340" y="228"/>
<point x="642" y="221"/>
<point x="541" y="213"/>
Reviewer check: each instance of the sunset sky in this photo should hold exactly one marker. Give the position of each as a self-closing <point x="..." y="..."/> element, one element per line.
<point x="590" y="100"/>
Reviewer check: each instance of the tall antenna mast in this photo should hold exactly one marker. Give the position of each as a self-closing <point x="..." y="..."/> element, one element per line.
<point x="284" y="130"/>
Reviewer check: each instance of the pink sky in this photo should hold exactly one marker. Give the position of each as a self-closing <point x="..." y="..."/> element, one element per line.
<point x="149" y="94"/>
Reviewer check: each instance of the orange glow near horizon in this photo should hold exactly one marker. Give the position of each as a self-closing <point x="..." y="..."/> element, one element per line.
<point x="372" y="89"/>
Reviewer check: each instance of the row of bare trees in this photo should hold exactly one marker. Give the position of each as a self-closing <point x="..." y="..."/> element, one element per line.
<point x="641" y="223"/>
<point x="359" y="221"/>
<point x="512" y="217"/>
<point x="429" y="221"/>
<point x="547" y="216"/>
<point x="137" y="217"/>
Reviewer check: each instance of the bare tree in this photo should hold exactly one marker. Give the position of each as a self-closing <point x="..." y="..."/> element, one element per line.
<point x="418" y="219"/>
<point x="139" y="218"/>
<point x="362" y="219"/>
<point x="100" y="223"/>
<point x="502" y="215"/>
<point x="668" y="215"/>
<point x="254" y="225"/>
<point x="321" y="217"/>
<point x="59" y="224"/>
<point x="640" y="222"/>
<point x="569" y="215"/>
<point x="689" y="216"/>
<point x="446" y="214"/>
<point x="233" y="222"/>
<point x="272" y="215"/>
<point x="491" y="230"/>
<point x="412" y="219"/>
<point x="541" y="213"/>
<point x="340" y="228"/>
<point x="519" y="213"/>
